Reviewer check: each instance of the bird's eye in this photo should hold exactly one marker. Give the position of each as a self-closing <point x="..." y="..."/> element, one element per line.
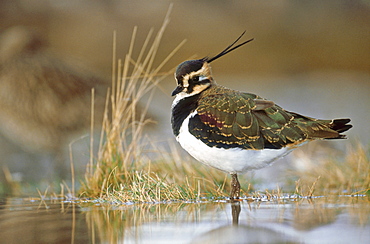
<point x="195" y="79"/>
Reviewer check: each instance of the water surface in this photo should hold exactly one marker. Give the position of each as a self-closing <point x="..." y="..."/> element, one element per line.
<point x="342" y="219"/>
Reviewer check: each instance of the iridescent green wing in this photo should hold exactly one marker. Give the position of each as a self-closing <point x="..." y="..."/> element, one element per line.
<point x="231" y="119"/>
<point x="226" y="120"/>
<point x="280" y="128"/>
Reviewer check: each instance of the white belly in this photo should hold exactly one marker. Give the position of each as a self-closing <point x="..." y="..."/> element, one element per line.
<point x="235" y="160"/>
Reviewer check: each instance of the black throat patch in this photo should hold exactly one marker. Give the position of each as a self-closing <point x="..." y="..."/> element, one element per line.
<point x="181" y="110"/>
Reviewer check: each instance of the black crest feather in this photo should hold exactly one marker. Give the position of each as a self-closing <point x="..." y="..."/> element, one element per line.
<point x="228" y="49"/>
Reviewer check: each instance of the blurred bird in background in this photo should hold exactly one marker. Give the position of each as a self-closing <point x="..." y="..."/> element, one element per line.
<point x="44" y="98"/>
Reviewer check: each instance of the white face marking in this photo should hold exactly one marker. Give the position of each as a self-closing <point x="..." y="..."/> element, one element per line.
<point x="228" y="160"/>
<point x="196" y="90"/>
<point x="180" y="96"/>
<point x="202" y="77"/>
<point x="185" y="83"/>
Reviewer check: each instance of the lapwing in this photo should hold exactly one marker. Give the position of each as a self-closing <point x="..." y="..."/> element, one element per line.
<point x="235" y="131"/>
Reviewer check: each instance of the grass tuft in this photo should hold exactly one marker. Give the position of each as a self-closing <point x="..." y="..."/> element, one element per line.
<point x="332" y="175"/>
<point x="123" y="171"/>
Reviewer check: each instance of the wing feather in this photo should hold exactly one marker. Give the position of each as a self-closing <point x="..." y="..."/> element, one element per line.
<point x="226" y="118"/>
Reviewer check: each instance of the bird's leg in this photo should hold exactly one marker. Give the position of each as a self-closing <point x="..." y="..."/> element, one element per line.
<point x="235" y="187"/>
<point x="235" y="211"/>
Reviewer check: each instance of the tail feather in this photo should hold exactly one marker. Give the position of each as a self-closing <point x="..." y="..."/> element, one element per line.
<point x="323" y="129"/>
<point x="340" y="125"/>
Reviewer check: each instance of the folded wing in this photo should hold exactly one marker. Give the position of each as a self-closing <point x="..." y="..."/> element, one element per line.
<point x="243" y="120"/>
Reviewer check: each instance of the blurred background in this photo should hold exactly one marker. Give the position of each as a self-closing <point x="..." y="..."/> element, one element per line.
<point x="310" y="57"/>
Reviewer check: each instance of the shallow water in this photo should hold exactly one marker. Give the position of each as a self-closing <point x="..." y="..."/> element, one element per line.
<point x="342" y="219"/>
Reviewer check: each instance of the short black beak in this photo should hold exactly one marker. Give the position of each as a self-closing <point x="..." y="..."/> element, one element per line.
<point x="177" y="90"/>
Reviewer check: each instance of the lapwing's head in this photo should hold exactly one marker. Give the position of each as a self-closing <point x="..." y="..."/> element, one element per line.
<point x="194" y="76"/>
